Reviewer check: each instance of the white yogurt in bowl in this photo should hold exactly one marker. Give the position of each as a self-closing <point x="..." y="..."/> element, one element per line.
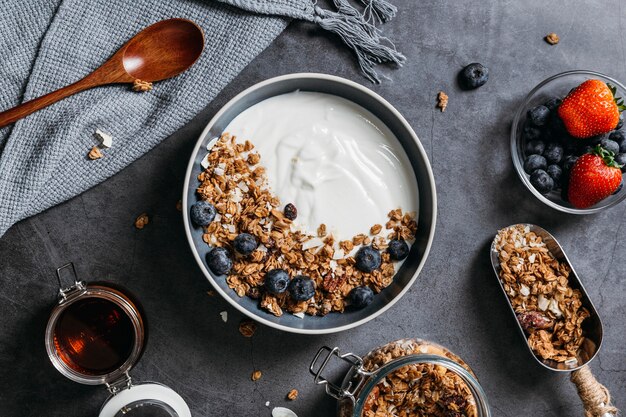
<point x="333" y="159"/>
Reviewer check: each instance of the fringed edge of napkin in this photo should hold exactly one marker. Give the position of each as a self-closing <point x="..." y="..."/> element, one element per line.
<point x="356" y="28"/>
<point x="358" y="31"/>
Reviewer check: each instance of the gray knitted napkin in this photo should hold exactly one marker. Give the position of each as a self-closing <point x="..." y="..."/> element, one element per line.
<point x="47" y="44"/>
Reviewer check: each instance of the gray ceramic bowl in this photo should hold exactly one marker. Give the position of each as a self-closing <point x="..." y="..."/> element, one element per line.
<point x="427" y="199"/>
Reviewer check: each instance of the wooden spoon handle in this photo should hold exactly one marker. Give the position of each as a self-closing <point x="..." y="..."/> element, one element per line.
<point x="9" y="116"/>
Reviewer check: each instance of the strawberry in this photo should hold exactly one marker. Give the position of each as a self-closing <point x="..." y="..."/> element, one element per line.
<point x="591" y="109"/>
<point x="594" y="177"/>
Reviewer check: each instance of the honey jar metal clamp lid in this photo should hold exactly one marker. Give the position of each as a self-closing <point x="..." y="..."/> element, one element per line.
<point x="95" y="335"/>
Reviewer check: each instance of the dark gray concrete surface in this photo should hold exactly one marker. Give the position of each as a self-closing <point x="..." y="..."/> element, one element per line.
<point x="456" y="300"/>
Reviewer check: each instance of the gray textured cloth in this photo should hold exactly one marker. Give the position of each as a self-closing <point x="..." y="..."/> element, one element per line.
<point x="47" y="44"/>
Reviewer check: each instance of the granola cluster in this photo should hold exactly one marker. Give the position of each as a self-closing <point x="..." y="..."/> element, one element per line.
<point x="549" y="310"/>
<point x="418" y="389"/>
<point x="236" y="184"/>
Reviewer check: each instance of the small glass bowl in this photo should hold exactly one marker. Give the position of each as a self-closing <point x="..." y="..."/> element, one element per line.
<point x="557" y="86"/>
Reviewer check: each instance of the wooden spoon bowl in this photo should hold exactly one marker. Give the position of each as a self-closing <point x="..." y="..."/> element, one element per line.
<point x="160" y="51"/>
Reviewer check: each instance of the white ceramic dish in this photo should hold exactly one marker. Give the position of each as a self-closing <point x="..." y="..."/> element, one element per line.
<point x="410" y="143"/>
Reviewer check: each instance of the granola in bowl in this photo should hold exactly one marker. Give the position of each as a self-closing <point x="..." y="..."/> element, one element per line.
<point x="252" y="234"/>
<point x="549" y="310"/>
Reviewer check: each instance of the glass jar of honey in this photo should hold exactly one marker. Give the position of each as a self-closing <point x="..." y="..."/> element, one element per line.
<point x="95" y="335"/>
<point x="406" y="377"/>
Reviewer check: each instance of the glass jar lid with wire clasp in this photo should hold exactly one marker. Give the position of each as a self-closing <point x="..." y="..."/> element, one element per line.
<point x="96" y="333"/>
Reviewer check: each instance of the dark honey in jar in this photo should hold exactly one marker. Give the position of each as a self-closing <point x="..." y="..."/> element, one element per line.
<point x="94" y="336"/>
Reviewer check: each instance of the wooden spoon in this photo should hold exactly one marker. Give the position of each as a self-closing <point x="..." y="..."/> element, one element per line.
<point x="158" y="52"/>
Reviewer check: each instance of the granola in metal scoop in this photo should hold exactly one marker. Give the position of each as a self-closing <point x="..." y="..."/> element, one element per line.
<point x="548" y="309"/>
<point x="236" y="183"/>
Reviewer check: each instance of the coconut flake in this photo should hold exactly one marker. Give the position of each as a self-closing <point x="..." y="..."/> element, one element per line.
<point x="262" y="248"/>
<point x="229" y="227"/>
<point x="211" y="143"/>
<point x="106" y="140"/>
<point x="218" y="171"/>
<point x="299" y="315"/>
<point x="524" y="290"/>
<point x="205" y="162"/>
<point x="224" y="316"/>
<point x="312" y="243"/>
<point x="543" y="302"/>
<point x="554" y="307"/>
<point x="243" y="186"/>
<point x="531" y="258"/>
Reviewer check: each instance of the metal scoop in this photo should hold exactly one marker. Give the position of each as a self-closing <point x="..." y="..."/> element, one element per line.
<point x="581" y="376"/>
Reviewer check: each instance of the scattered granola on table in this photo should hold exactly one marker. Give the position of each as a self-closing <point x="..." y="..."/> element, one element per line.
<point x="292" y="395"/>
<point x="265" y="256"/>
<point x="552" y="38"/>
<point x="247" y="327"/>
<point x="142" y="220"/>
<point x="142" y="86"/>
<point x="256" y="375"/>
<point x="442" y="101"/>
<point x="549" y="310"/>
<point x="95" y="153"/>
<point x="416" y="389"/>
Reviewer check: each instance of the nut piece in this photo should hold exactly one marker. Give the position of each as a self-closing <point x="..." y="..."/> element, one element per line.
<point x="534" y="320"/>
<point x="293" y="394"/>
<point x="247" y="328"/>
<point x="142" y="220"/>
<point x="142" y="86"/>
<point x="374" y="230"/>
<point x="95" y="153"/>
<point x="442" y="101"/>
<point x="256" y="375"/>
<point x="552" y="38"/>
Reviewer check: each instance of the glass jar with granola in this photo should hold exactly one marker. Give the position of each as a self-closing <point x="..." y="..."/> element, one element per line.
<point x="405" y="378"/>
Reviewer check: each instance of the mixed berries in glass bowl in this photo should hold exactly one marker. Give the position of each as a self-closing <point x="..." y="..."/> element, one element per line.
<point x="568" y="144"/>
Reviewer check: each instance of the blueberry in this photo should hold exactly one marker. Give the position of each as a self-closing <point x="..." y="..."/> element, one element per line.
<point x="367" y="259"/>
<point x="568" y="162"/>
<point x="553" y="103"/>
<point x="277" y="281"/>
<point x="361" y="297"/>
<point x="620" y="158"/>
<point x="553" y="153"/>
<point x="535" y="147"/>
<point x="610" y="145"/>
<point x="555" y="171"/>
<point x="531" y="133"/>
<point x="542" y="181"/>
<point x="219" y="261"/>
<point x="619" y="137"/>
<point x="301" y="288"/>
<point x="202" y="213"/>
<point x="245" y="243"/>
<point x="473" y="76"/>
<point x="539" y="115"/>
<point x="535" y="162"/>
<point x="398" y="249"/>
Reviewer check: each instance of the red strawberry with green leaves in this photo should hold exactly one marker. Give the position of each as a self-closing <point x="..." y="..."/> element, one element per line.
<point x="594" y="177"/>
<point x="591" y="109"/>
